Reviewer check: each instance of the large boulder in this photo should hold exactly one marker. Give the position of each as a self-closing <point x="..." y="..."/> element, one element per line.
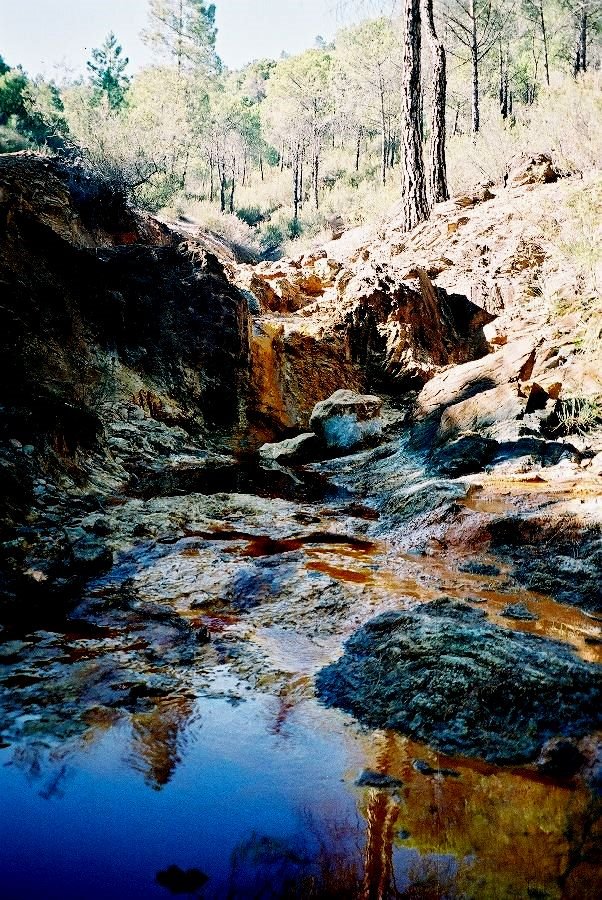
<point x="347" y="420"/>
<point x="442" y="674"/>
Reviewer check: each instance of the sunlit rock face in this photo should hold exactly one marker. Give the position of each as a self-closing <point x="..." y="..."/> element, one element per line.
<point x="322" y="326"/>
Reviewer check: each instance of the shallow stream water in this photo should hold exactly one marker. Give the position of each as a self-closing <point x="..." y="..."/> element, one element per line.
<point x="129" y="747"/>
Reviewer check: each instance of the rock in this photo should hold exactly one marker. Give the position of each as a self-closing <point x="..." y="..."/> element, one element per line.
<point x="483" y="413"/>
<point x="534" y="170"/>
<point x="493" y="335"/>
<point x="518" y="611"/>
<point x="571" y="574"/>
<point x="337" y="227"/>
<point x="464" y="456"/>
<point x="421" y="765"/>
<point x="90" y="556"/>
<point x="595" y="467"/>
<point x="477" y="568"/>
<point x="442" y="674"/>
<point x="511" y="363"/>
<point x="560" y="758"/>
<point x="181" y="881"/>
<point x="372" y="779"/>
<point x="347" y="420"/>
<point x="302" y="448"/>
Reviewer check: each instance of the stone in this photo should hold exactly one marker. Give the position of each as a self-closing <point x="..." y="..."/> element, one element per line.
<point x="422" y="766"/>
<point x="511" y="363"/>
<point x="483" y="413"/>
<point x="372" y="779"/>
<point x="477" y="568"/>
<point x="443" y="675"/>
<point x="537" y="169"/>
<point x="347" y="420"/>
<point x="595" y="466"/>
<point x="302" y="448"/>
<point x="560" y="758"/>
<point x="464" y="456"/>
<point x="493" y="335"/>
<point x="518" y="611"/>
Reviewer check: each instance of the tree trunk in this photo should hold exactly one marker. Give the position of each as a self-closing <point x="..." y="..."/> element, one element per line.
<point x="232" y="185"/>
<point x="437" y="164"/>
<point x="474" y="57"/>
<point x="211" y="175"/>
<point x="296" y="185"/>
<point x="413" y="183"/>
<point x="504" y="82"/>
<point x="583" y="39"/>
<point x="316" y="178"/>
<point x="358" y="149"/>
<point x="544" y="37"/>
<point x="383" y="128"/>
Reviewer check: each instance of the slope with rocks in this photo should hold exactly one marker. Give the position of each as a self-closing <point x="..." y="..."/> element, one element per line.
<point x="446" y="524"/>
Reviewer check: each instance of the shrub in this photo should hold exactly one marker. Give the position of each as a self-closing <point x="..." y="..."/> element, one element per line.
<point x="272" y="238"/>
<point x="252" y="215"/>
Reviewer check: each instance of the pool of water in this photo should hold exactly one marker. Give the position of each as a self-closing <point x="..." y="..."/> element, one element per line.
<point x="249" y="800"/>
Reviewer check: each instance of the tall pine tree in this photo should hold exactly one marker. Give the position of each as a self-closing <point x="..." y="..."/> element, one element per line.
<point x="184" y="30"/>
<point x="107" y="72"/>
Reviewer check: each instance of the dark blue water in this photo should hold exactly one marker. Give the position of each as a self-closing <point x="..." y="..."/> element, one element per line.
<point x="242" y="798"/>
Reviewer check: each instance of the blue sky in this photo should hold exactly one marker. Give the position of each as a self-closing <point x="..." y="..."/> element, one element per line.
<point x="40" y="34"/>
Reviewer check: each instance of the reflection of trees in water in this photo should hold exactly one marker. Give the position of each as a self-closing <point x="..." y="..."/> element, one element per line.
<point x="41" y="765"/>
<point x="325" y="861"/>
<point x="158" y="738"/>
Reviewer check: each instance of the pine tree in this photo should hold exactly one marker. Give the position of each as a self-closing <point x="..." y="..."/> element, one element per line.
<point x="414" y="202"/>
<point x="107" y="72"/>
<point x="185" y="31"/>
<point x="437" y="162"/>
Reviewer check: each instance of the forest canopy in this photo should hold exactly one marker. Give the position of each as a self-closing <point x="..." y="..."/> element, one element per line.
<point x="277" y="149"/>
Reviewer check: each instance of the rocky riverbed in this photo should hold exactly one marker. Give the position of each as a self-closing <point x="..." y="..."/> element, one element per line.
<point x="366" y="668"/>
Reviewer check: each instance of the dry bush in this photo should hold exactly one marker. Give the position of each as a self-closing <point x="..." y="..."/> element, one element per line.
<point x="565" y="121"/>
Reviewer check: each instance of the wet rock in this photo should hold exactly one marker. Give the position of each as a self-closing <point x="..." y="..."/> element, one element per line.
<point x="421" y="765"/>
<point x="518" y="611"/>
<point x="560" y="758"/>
<point x="442" y="674"/>
<point x="372" y="779"/>
<point x="477" y="568"/>
<point x="91" y="556"/>
<point x="571" y="574"/>
<point x="302" y="448"/>
<point x="347" y="420"/>
<point x="464" y="456"/>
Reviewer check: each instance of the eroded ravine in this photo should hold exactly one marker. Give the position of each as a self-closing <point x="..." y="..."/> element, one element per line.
<point x="184" y="623"/>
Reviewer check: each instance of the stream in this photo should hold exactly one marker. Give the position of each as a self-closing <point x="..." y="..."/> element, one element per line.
<point x="166" y="738"/>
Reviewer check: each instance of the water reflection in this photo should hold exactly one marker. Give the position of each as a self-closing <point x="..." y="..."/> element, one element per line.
<point x="182" y="768"/>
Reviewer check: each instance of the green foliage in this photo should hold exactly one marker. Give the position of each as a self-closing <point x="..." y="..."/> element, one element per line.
<point x="13" y="84"/>
<point x="11" y="140"/>
<point x="107" y="72"/>
<point x="271" y="239"/>
<point x="184" y="31"/>
<point x="252" y="215"/>
<point x="577" y="415"/>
